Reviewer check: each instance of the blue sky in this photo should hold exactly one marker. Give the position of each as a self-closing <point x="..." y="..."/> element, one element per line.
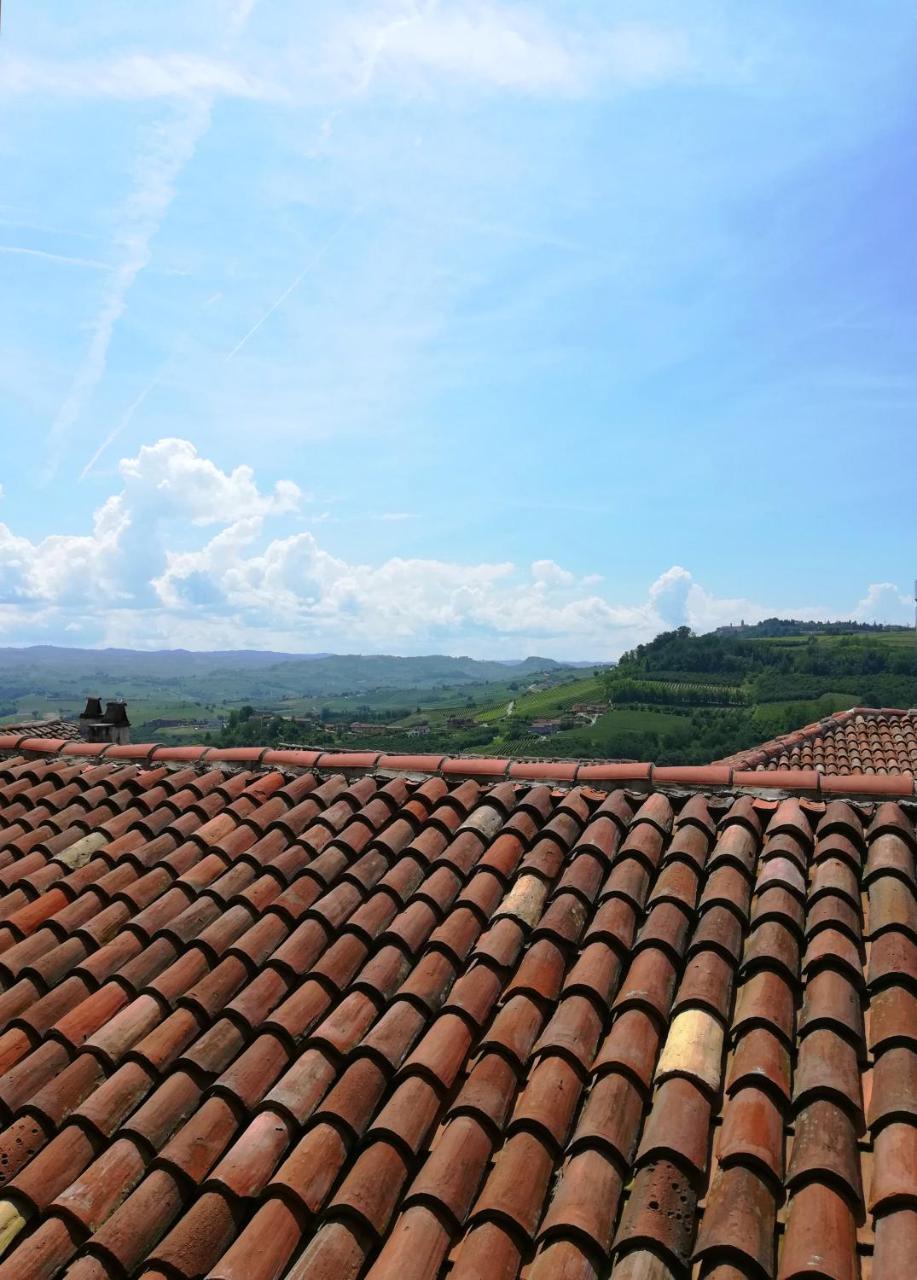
<point x="472" y="327"/>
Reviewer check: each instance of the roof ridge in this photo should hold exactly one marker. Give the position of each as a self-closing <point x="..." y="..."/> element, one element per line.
<point x="639" y="775"/>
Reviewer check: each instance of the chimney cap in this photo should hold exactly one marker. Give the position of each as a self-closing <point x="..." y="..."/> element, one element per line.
<point x="116" y="713"/>
<point x="92" y="710"/>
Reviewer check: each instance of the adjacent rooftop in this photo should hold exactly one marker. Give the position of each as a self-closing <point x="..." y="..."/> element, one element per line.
<point x="69" y="730"/>
<point x="863" y="740"/>
<point x="93" y="725"/>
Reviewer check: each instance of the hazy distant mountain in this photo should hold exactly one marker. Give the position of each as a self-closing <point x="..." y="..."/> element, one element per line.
<point x="229" y="674"/>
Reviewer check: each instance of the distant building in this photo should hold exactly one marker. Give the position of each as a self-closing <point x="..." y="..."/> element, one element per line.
<point x="546" y="728"/>
<point x="110" y="725"/>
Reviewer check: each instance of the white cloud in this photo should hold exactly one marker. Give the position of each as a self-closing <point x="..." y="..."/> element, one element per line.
<point x="165" y="484"/>
<point x="550" y="574"/>
<point x="509" y="47"/>
<point x="884" y="602"/>
<point x="147" y="575"/>
<point x="128" y="78"/>
<point x="678" y="600"/>
<point x="669" y="596"/>
<point x="174" y="479"/>
<point x="296" y="587"/>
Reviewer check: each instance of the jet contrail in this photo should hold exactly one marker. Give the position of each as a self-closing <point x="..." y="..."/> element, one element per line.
<point x="125" y="420"/>
<point x="159" y="168"/>
<point x="291" y="288"/>
<point x="158" y="377"/>
<point x="94" y="263"/>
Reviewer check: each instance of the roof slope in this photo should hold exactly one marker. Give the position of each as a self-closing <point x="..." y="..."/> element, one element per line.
<point x="69" y="730"/>
<point x="863" y="740"/>
<point x="264" y="1022"/>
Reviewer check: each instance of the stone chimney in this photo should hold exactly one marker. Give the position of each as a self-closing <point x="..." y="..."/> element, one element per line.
<point x="110" y="726"/>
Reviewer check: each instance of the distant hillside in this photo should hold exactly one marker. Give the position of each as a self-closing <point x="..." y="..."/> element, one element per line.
<point x="875" y="666"/>
<point x="797" y="627"/>
<point x="354" y="673"/>
<point x="153" y="662"/>
<point x="740" y="686"/>
<point x="226" y="676"/>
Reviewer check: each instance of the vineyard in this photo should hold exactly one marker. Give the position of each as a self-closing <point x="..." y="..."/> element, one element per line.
<point x="677" y="693"/>
<point x="548" y="702"/>
<point x="487" y="715"/>
<point x="529" y="745"/>
<point x="693" y="678"/>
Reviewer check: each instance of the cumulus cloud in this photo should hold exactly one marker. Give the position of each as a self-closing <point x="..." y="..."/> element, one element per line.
<point x="678" y="600"/>
<point x="550" y="574"/>
<point x="183" y="554"/>
<point x="669" y="595"/>
<point x="884" y="602"/>
<point x="167" y="481"/>
<point x="172" y="476"/>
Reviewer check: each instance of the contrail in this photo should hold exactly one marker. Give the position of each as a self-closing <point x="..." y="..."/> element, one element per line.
<point x="125" y="421"/>
<point x="94" y="263"/>
<point x="154" y="190"/>
<point x="159" y="377"/>
<point x="43" y="230"/>
<point x="160" y="166"/>
<point x="291" y="288"/>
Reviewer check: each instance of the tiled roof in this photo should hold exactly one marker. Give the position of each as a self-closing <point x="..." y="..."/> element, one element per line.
<point x="867" y="740"/>
<point x="67" y="729"/>
<point x="266" y="1016"/>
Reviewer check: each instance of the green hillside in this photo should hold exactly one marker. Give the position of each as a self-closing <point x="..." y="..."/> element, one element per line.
<point x="691" y="699"/>
<point x="234" y="676"/>
<point x="683" y="698"/>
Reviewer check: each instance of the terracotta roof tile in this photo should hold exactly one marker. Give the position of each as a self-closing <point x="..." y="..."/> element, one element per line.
<point x="868" y="741"/>
<point x="266" y="1023"/>
<point x="58" y="730"/>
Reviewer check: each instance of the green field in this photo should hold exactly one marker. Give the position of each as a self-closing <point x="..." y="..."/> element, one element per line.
<point x="767" y="712"/>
